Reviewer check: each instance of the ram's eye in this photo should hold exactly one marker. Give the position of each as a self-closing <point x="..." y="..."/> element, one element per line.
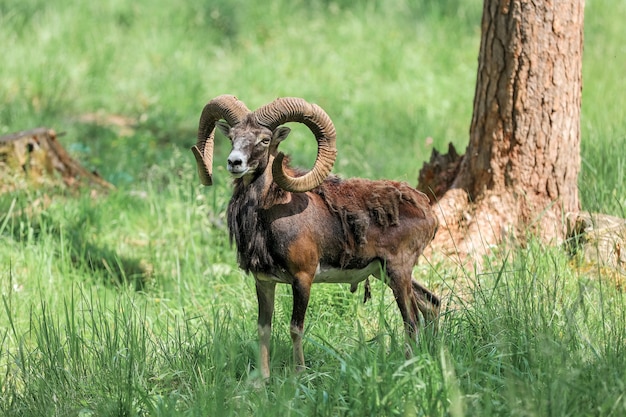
<point x="265" y="140"/>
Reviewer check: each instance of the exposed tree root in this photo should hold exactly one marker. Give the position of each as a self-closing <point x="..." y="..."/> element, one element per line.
<point x="469" y="230"/>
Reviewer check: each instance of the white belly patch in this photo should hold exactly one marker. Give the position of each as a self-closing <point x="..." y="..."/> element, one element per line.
<point x="349" y="276"/>
<point x="325" y="274"/>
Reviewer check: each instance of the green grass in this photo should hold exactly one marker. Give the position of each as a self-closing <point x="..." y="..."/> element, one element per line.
<point x="131" y="303"/>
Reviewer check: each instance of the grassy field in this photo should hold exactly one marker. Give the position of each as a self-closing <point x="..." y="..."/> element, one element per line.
<point x="131" y="303"/>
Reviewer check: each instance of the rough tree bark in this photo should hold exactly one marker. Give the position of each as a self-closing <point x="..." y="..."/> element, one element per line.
<point x="520" y="170"/>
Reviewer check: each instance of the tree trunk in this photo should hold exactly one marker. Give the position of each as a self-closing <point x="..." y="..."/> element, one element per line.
<point x="520" y="170"/>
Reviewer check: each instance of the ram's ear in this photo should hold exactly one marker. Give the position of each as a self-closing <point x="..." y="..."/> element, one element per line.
<point x="223" y="127"/>
<point x="279" y="135"/>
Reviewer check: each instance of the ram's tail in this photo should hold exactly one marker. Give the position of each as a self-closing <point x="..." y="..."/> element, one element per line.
<point x="428" y="304"/>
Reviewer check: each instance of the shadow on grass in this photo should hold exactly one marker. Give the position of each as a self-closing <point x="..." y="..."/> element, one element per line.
<point x="103" y="261"/>
<point x="78" y="238"/>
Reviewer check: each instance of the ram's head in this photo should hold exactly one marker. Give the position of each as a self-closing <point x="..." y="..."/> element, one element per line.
<point x="255" y="137"/>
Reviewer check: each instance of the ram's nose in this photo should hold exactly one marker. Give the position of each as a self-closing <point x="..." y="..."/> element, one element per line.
<point x="237" y="165"/>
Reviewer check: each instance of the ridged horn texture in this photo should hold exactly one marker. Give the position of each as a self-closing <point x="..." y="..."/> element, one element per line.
<point x="225" y="107"/>
<point x="292" y="109"/>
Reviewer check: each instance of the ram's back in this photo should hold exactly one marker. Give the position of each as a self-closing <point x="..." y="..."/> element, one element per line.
<point x="378" y="219"/>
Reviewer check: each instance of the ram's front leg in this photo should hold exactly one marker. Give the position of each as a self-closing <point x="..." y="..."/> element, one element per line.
<point x="301" y="291"/>
<point x="265" y="295"/>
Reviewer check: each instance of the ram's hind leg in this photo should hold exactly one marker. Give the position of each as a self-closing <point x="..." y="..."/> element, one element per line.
<point x="428" y="304"/>
<point x="400" y="282"/>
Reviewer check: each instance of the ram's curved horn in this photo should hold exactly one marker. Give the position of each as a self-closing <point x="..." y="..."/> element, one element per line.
<point x="291" y="109"/>
<point x="225" y="107"/>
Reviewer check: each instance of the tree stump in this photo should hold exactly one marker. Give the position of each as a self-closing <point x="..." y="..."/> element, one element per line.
<point x="36" y="158"/>
<point x="438" y="174"/>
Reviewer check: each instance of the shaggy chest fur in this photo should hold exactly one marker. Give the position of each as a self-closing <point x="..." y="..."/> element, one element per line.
<point x="247" y="228"/>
